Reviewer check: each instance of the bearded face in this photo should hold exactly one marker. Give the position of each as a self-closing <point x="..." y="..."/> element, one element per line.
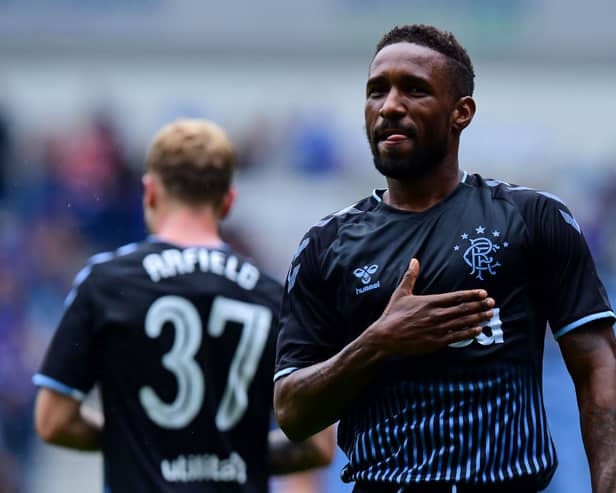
<point x="408" y="111"/>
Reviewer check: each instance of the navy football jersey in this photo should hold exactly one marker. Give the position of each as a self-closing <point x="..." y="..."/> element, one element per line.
<point x="181" y="341"/>
<point x="472" y="413"/>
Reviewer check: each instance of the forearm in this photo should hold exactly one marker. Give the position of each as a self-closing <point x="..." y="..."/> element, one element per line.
<point x="287" y="457"/>
<point x="79" y="434"/>
<point x="597" y="404"/>
<point x="61" y="420"/>
<point x="313" y="398"/>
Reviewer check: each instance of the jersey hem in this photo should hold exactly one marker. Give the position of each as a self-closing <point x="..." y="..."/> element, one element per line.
<point x="583" y="321"/>
<point x="45" y="381"/>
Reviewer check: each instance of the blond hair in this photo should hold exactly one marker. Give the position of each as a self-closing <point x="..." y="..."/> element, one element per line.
<point x="194" y="160"/>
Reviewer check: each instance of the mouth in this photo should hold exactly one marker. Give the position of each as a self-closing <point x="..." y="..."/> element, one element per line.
<point x="394" y="136"/>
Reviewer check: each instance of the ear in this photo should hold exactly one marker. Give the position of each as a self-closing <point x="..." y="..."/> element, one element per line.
<point x="149" y="191"/>
<point x="227" y="202"/>
<point x="463" y="113"/>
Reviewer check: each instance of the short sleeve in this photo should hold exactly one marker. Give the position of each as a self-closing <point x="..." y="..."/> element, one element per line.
<point x="70" y="363"/>
<point x="572" y="291"/>
<point x="309" y="332"/>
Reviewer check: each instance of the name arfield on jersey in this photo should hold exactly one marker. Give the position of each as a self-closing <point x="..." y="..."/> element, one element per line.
<point x="174" y="262"/>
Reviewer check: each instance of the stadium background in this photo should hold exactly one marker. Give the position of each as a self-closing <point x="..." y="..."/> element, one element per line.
<point x="85" y="83"/>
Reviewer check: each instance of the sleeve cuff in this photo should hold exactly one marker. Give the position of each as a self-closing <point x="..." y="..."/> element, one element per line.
<point x="283" y="373"/>
<point x="45" y="381"/>
<point x="583" y="321"/>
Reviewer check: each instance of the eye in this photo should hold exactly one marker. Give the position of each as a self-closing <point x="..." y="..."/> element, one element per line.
<point x="375" y="91"/>
<point x="416" y="90"/>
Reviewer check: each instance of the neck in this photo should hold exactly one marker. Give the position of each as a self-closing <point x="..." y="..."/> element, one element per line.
<point x="419" y="194"/>
<point x="186" y="227"/>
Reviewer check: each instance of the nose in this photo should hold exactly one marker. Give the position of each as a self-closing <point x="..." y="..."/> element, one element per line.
<point x="393" y="105"/>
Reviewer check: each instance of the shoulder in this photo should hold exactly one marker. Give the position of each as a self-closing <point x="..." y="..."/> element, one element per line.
<point x="325" y="231"/>
<point x="99" y="265"/>
<point x="530" y="202"/>
<point x="103" y="262"/>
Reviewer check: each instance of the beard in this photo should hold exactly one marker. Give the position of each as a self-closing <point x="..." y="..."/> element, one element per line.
<point x="416" y="164"/>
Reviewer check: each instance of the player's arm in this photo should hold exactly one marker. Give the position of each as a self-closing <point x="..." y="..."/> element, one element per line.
<point x="60" y="420"/>
<point x="312" y="398"/>
<point x="287" y="457"/>
<point x="590" y="355"/>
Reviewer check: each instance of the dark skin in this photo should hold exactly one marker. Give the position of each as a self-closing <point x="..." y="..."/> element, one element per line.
<point x="413" y="122"/>
<point x="411" y="117"/>
<point x="590" y="355"/>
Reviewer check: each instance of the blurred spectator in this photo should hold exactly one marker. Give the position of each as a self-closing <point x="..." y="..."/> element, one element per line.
<point x="254" y="144"/>
<point x="314" y="145"/>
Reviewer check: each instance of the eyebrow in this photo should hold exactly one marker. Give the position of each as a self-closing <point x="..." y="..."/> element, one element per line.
<point x="377" y="79"/>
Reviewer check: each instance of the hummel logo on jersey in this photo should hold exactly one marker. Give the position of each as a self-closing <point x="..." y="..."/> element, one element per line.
<point x="365" y="275"/>
<point x="478" y="256"/>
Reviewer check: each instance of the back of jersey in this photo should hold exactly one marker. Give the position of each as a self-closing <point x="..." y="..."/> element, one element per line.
<point x="182" y="341"/>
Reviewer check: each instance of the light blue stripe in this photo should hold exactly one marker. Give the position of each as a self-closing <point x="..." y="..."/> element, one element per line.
<point x="441" y="401"/>
<point x="492" y="424"/>
<point x="371" y="433"/>
<point x="45" y="381"/>
<point x="432" y="399"/>
<point x="480" y="427"/>
<point x="525" y="416"/>
<point x="379" y="433"/>
<point x="502" y="418"/>
<point x="390" y="438"/>
<point x="285" y="372"/>
<point x="450" y="411"/>
<point x="127" y="249"/>
<point x="517" y="412"/>
<point x="81" y="276"/>
<point x="423" y="432"/>
<point x="552" y="196"/>
<point x="533" y="415"/>
<point x="461" y="412"/>
<point x="98" y="258"/>
<point x="416" y="427"/>
<point x="583" y="321"/>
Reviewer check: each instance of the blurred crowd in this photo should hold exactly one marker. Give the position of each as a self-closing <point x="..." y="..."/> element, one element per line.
<point x="67" y="193"/>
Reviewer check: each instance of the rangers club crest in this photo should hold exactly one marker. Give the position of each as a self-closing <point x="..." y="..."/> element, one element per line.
<point x="480" y="251"/>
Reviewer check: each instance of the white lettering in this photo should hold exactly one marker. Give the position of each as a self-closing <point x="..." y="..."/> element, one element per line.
<point x="174" y="262"/>
<point x="217" y="262"/>
<point x="204" y="260"/>
<point x="248" y="276"/>
<point x="173" y="259"/>
<point x="205" y="467"/>
<point x="231" y="268"/>
<point x="369" y="287"/>
<point x="495" y="335"/>
<point x="189" y="256"/>
<point x="154" y="266"/>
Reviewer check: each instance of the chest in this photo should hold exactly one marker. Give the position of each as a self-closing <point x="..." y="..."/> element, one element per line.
<point x="456" y="250"/>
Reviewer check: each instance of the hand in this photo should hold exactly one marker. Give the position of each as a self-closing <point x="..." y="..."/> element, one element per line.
<point x="413" y="324"/>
